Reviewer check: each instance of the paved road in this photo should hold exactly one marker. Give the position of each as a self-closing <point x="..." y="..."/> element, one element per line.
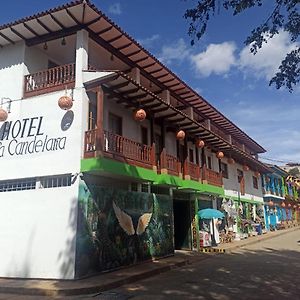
<point x="268" y="270"/>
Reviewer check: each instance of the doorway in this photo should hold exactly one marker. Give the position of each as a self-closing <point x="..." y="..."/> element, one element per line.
<point x="182" y="225"/>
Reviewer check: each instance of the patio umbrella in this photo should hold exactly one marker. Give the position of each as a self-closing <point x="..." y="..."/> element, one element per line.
<point x="210" y="213"/>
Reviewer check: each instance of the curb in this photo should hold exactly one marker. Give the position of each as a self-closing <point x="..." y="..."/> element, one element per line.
<point x="93" y="288"/>
<point x="264" y="238"/>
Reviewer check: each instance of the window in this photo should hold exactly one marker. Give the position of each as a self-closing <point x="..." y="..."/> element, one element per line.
<point x="55" y="181"/>
<point x="115" y="124"/>
<point x="35" y="183"/>
<point x="144" y="132"/>
<point x="209" y="163"/>
<point x="224" y="169"/>
<point x="191" y="155"/>
<point x="145" y="187"/>
<point x="240" y="175"/>
<point x="255" y="182"/>
<point x="17" y="185"/>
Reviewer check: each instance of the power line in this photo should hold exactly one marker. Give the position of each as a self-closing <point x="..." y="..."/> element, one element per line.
<point x="278" y="160"/>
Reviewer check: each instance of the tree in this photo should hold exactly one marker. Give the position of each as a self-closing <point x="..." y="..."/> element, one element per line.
<point x="284" y="16"/>
<point x="294" y="171"/>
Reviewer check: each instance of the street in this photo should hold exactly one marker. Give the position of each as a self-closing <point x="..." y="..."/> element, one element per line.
<point x="266" y="270"/>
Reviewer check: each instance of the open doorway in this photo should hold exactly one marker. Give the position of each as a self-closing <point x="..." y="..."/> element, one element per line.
<point x="182" y="224"/>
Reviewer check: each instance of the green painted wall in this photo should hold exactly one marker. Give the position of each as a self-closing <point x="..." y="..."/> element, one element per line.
<point x="102" y="164"/>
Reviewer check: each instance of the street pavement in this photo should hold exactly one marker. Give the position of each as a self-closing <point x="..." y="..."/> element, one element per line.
<point x="266" y="270"/>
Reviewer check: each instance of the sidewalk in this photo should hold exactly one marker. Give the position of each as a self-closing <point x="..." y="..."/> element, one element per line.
<point x="111" y="280"/>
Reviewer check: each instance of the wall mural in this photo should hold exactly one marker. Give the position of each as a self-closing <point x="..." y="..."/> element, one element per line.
<point x="118" y="228"/>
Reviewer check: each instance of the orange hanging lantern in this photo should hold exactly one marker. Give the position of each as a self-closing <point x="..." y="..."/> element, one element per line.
<point x="65" y="102"/>
<point x="246" y="168"/>
<point x="200" y="143"/>
<point x="139" y="115"/>
<point x="219" y="154"/>
<point x="282" y="204"/>
<point x="295" y="206"/>
<point x="289" y="205"/>
<point x="180" y="135"/>
<point x="230" y="161"/>
<point x="3" y="115"/>
<point x="271" y="203"/>
<point x="257" y="174"/>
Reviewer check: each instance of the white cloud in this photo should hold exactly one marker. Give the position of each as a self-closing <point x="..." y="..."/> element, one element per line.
<point x="115" y="9"/>
<point x="266" y="61"/>
<point x="148" y="42"/>
<point x="217" y="58"/>
<point x="177" y="51"/>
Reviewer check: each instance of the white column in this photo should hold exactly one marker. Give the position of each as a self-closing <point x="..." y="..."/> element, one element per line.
<point x="82" y="44"/>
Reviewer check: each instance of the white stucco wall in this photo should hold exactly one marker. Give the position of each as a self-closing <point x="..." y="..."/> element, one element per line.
<point x="11" y="71"/>
<point x="232" y="186"/>
<point x="37" y="236"/>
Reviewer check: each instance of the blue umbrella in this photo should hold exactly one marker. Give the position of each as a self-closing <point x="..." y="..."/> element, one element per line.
<point x="210" y="213"/>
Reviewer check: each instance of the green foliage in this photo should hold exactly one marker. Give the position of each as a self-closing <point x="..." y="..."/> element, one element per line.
<point x="294" y="171"/>
<point x="284" y="16"/>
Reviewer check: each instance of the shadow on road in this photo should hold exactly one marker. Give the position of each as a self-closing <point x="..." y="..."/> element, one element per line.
<point x="260" y="274"/>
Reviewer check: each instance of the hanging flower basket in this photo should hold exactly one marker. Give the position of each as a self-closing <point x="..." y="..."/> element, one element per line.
<point x="180" y="135"/>
<point x="139" y="115"/>
<point x="230" y="161"/>
<point x="3" y="115"/>
<point x="219" y="154"/>
<point x="246" y="168"/>
<point x="65" y="102"/>
<point x="200" y="143"/>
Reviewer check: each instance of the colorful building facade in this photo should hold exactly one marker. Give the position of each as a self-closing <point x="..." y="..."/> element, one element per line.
<point x="119" y="175"/>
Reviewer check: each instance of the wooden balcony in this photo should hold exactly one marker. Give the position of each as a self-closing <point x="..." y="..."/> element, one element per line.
<point x="123" y="149"/>
<point x="119" y="148"/>
<point x="212" y="177"/>
<point x="169" y="164"/>
<point x="49" y="80"/>
<point x="191" y="171"/>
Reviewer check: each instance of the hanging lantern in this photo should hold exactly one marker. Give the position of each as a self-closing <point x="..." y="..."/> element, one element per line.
<point x="257" y="174"/>
<point x="271" y="203"/>
<point x="230" y="161"/>
<point x="282" y="204"/>
<point x="200" y="143"/>
<point x="246" y="168"/>
<point x="219" y="154"/>
<point x="295" y="206"/>
<point x="180" y="135"/>
<point x="139" y="115"/>
<point x="3" y="115"/>
<point x="289" y="205"/>
<point x="65" y="102"/>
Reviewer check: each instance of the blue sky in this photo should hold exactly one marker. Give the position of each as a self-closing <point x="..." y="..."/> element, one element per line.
<point x="219" y="66"/>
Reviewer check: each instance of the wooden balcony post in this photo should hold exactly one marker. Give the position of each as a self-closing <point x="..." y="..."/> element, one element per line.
<point x="186" y="174"/>
<point x="99" y="124"/>
<point x="153" y="158"/>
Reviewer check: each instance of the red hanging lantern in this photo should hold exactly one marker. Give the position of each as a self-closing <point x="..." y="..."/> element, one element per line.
<point x="200" y="143"/>
<point x="3" y="115"/>
<point x="219" y="154"/>
<point x="295" y="206"/>
<point x="257" y="174"/>
<point x="246" y="168"/>
<point x="230" y="161"/>
<point x="139" y="115"/>
<point x="65" y="102"/>
<point x="271" y="203"/>
<point x="289" y="205"/>
<point x="180" y="135"/>
<point x="282" y="204"/>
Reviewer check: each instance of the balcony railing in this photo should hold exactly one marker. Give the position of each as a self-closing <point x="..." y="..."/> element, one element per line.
<point x="123" y="149"/>
<point x="192" y="170"/>
<point x="170" y="163"/>
<point x="212" y="177"/>
<point x="49" y="80"/>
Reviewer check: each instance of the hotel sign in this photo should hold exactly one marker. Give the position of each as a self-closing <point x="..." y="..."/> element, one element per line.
<point x="26" y="137"/>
